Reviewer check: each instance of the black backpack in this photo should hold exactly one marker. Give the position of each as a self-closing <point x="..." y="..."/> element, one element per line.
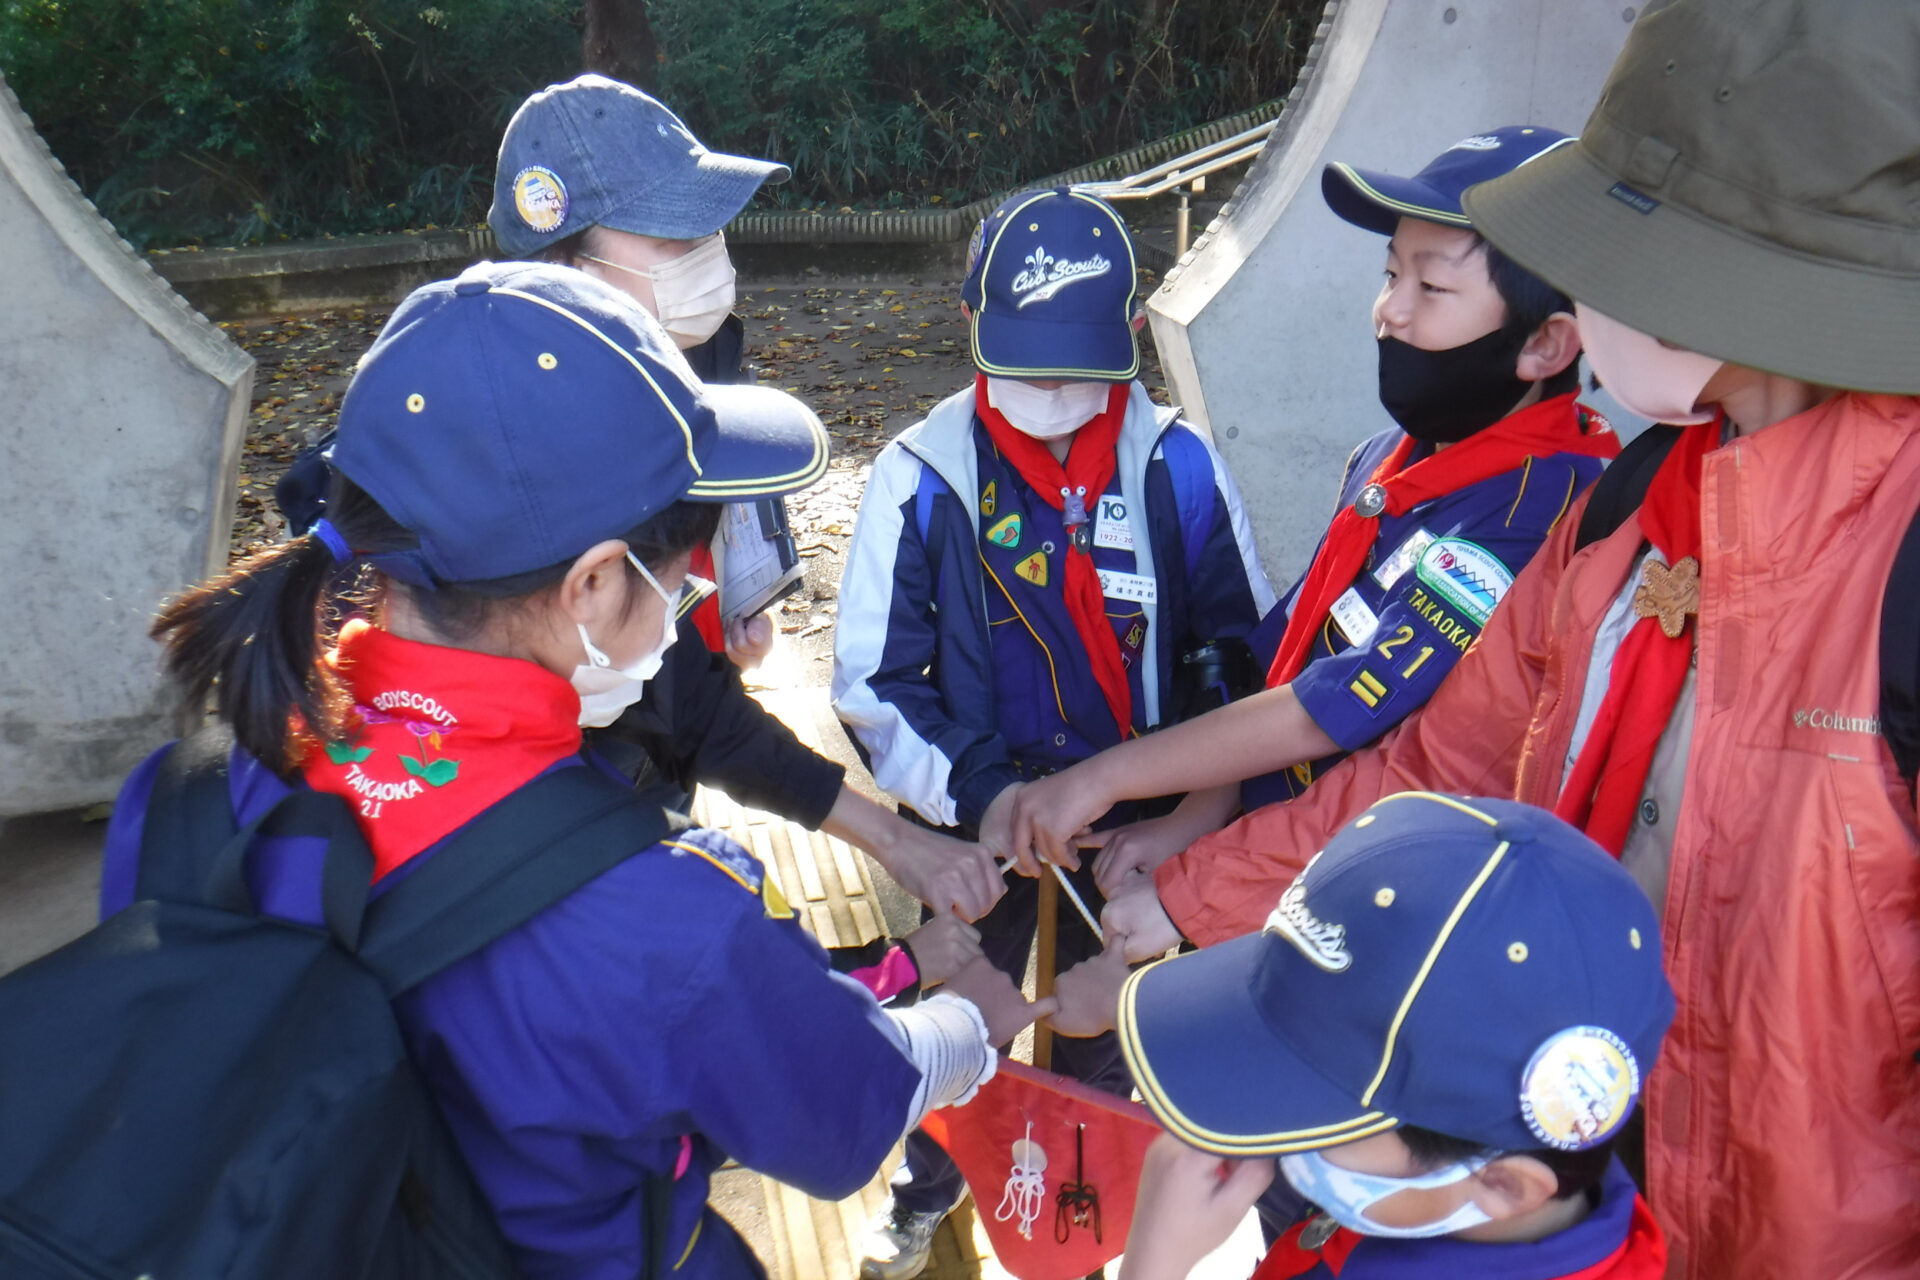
<point x="193" y="1090"/>
<point x="1618" y="493"/>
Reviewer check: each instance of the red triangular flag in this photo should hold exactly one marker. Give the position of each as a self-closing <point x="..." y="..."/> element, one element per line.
<point x="1054" y="1166"/>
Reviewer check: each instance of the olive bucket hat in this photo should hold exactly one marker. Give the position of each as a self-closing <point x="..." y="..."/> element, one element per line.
<point x="1748" y="188"/>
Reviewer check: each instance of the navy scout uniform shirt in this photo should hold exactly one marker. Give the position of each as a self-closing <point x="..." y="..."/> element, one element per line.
<point x="1431" y="581"/>
<point x="1047" y="705"/>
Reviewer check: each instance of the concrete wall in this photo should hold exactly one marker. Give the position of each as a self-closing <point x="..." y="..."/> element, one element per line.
<point x="1264" y="327"/>
<point x="124" y="413"/>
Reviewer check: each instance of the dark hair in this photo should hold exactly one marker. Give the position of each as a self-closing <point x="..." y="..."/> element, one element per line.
<point x="566" y="251"/>
<point x="254" y="637"/>
<point x="1529" y="300"/>
<point x="1577" y="1171"/>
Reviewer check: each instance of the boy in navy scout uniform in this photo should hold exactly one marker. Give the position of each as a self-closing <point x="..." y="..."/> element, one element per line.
<point x="1478" y="364"/>
<point x="1440" y="1032"/>
<point x="1031" y="563"/>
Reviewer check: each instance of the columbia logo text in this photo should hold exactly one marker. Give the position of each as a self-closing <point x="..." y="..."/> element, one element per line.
<point x="1821" y="718"/>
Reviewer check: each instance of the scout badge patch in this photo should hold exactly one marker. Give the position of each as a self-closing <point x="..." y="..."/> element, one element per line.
<point x="1039" y="1149"/>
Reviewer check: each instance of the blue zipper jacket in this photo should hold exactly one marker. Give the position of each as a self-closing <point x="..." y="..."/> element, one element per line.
<point x="664" y="1017"/>
<point x="961" y="675"/>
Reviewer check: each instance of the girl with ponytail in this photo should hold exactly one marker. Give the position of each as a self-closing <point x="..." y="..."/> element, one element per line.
<point x="523" y="467"/>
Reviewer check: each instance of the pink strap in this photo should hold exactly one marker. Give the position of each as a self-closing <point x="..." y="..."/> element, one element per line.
<point x="686" y="1157"/>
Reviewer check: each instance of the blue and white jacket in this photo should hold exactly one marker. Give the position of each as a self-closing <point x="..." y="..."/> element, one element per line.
<point x="957" y="679"/>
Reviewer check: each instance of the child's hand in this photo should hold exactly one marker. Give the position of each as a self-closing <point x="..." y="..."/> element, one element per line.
<point x="1189" y="1203"/>
<point x="1002" y="1007"/>
<point x="1050" y="812"/>
<point x="1089" y="993"/>
<point x="1139" y="924"/>
<point x="1137" y="849"/>
<point x="942" y="947"/>
<point x="945" y="873"/>
<point x="750" y="640"/>
<point x="996" y="831"/>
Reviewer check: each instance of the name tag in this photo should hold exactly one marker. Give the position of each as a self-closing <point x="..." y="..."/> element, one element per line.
<point x="1129" y="586"/>
<point x="1404" y="557"/>
<point x="1354" y="617"/>
<point x="1110" y="527"/>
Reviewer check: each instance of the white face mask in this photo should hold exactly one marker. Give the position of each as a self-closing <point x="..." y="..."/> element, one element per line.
<point x="692" y="294"/>
<point x="1346" y="1196"/>
<point x="606" y="690"/>
<point x="1047" y="415"/>
<point x="1654" y="381"/>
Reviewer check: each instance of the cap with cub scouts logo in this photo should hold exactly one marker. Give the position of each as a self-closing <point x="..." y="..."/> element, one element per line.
<point x="1050" y="284"/>
<point x="1474" y="967"/>
<point x="596" y="152"/>
<point x="1377" y="201"/>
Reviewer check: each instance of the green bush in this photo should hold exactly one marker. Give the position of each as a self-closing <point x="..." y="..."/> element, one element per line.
<point x="238" y="120"/>
<point x="228" y="121"/>
<point x="884" y="102"/>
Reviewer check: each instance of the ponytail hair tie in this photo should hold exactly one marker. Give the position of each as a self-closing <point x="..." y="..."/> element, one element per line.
<point x="323" y="529"/>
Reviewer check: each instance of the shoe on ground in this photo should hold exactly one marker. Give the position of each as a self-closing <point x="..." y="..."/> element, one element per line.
<point x="899" y="1243"/>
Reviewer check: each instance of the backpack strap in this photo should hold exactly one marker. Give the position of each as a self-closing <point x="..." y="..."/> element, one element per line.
<point x="189" y="817"/>
<point x="1900" y="655"/>
<point x="1622" y="487"/>
<point x="1190" y="467"/>
<point x="504" y="867"/>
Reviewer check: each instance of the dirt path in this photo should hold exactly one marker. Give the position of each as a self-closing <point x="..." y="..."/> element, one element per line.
<point x="870" y="359"/>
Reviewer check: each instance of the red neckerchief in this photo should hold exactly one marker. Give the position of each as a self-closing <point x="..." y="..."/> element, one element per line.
<point x="706" y="614"/>
<point x="1090" y="465"/>
<point x="1603" y="788"/>
<point x="1641" y="1256"/>
<point x="1550" y="427"/>
<point x="1288" y="1257"/>
<point x="436" y="736"/>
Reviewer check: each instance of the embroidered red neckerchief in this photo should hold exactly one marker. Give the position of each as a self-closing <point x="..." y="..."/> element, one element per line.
<point x="1089" y="469"/>
<point x="1603" y="788"/>
<point x="436" y="736"/>
<point x="1550" y="427"/>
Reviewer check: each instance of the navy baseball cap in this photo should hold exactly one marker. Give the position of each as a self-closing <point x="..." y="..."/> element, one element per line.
<point x="1051" y="282"/>
<point x="1474" y="967"/>
<point x="515" y="416"/>
<point x="596" y="152"/>
<point x="1377" y="201"/>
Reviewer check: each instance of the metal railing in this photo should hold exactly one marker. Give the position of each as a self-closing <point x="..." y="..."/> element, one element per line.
<point x="1185" y="173"/>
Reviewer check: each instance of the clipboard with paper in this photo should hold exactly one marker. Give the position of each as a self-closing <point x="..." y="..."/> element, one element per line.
<point x="754" y="557"/>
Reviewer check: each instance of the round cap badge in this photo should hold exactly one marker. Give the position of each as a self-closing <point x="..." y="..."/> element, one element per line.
<point x="1370" y="502"/>
<point x="540" y="197"/>
<point x="1579" y="1088"/>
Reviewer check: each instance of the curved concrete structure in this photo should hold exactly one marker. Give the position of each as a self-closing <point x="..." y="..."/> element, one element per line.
<point x="1264" y="326"/>
<point x="124" y="415"/>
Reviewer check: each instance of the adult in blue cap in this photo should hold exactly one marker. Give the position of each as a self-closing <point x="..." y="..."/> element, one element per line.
<point x="1440" y="1032"/>
<point x="524" y="466"/>
<point x="600" y="176"/>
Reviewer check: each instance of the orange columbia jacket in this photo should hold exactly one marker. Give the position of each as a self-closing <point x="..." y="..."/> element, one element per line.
<point x="1783" y="1118"/>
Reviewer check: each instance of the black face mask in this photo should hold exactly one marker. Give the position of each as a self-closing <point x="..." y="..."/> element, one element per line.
<point x="1444" y="396"/>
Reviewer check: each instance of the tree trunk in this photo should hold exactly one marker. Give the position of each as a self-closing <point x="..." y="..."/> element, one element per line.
<point x="618" y="41"/>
